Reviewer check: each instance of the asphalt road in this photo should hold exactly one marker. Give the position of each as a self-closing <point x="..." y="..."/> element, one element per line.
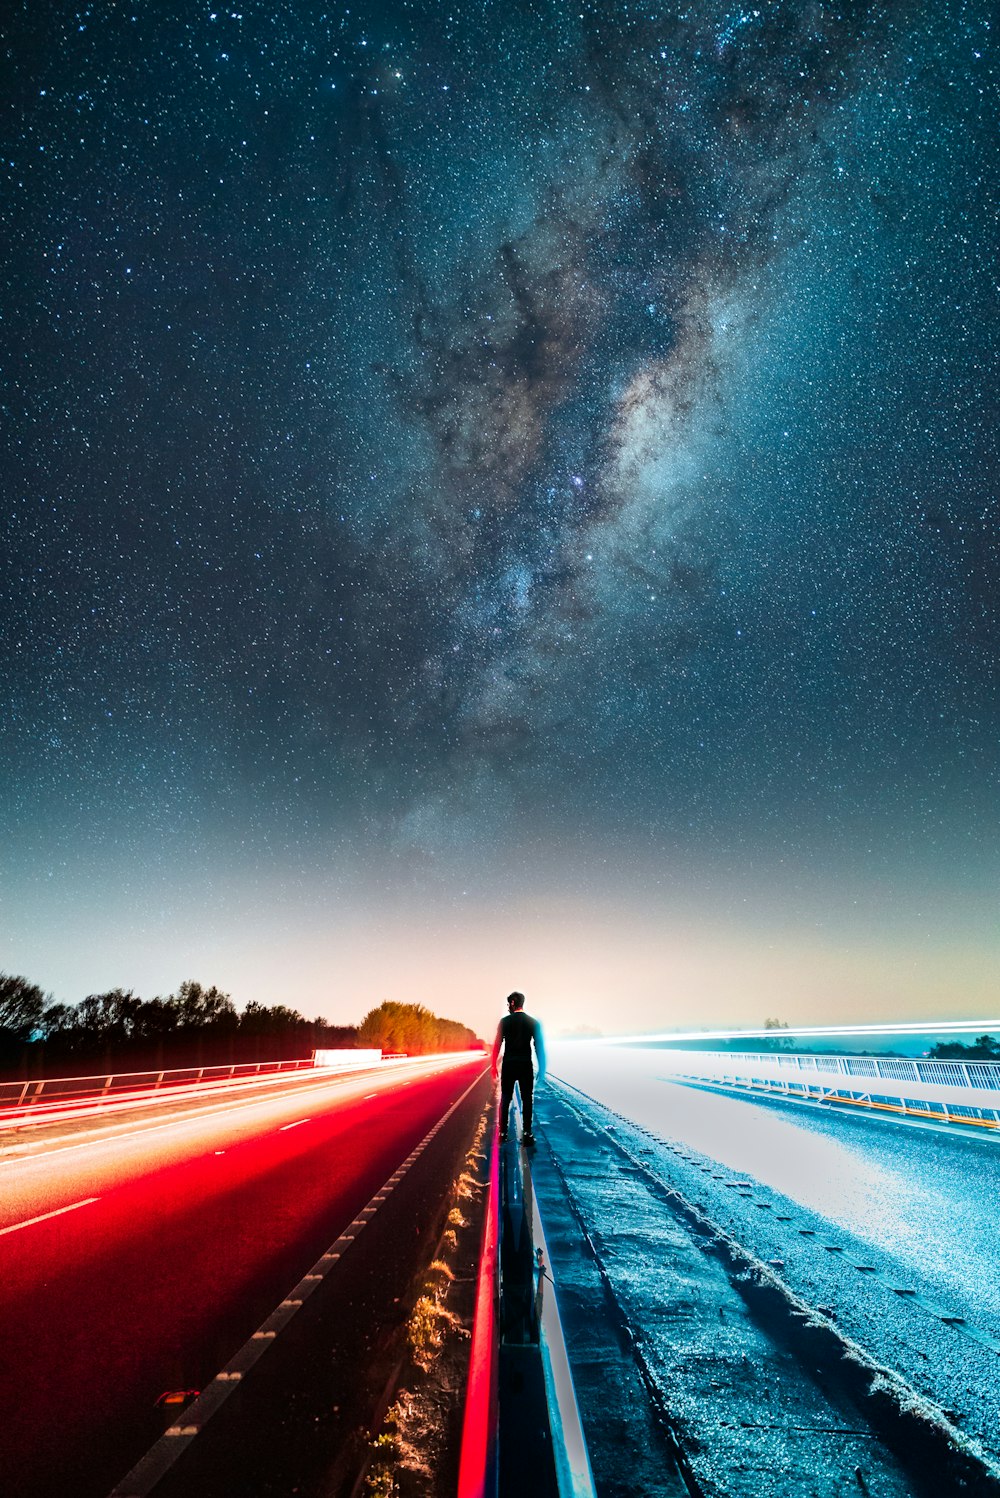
<point x="136" y="1262"/>
<point x="682" y="1385"/>
<point x="891" y="1226"/>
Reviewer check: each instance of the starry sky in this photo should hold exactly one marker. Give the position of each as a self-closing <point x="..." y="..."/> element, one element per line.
<point x="503" y="494"/>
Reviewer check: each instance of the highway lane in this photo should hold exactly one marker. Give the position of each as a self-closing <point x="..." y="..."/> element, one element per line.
<point x="889" y="1224"/>
<point x="179" y="1240"/>
<point x="164" y="1128"/>
<point x="32" y="1129"/>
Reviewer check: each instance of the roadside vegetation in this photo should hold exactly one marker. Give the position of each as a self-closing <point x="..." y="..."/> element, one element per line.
<point x="416" y="1452"/>
<point x="413" y="1029"/>
<point x="196" y="1026"/>
<point x="983" y="1048"/>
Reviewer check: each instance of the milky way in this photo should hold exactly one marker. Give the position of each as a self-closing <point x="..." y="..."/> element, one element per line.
<point x="456" y="434"/>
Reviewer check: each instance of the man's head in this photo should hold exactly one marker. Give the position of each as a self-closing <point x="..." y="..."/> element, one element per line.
<point x="515" y="1001"/>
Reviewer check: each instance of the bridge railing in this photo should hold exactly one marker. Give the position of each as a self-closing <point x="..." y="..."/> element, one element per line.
<point x="521" y="1431"/>
<point x="982" y="1074"/>
<point x="42" y="1095"/>
<point x="20" y="1094"/>
<point x="946" y="1091"/>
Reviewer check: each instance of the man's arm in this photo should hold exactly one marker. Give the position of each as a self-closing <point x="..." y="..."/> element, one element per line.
<point x="540" y="1051"/>
<point x="496" y="1050"/>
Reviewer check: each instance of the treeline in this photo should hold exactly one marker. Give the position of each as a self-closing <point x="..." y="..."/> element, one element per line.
<point x="196" y="1026"/>
<point x="413" y="1029"/>
<point x="118" y="1030"/>
<point x="983" y="1048"/>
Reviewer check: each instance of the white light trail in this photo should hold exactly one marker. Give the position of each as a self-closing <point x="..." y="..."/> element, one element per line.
<point x="900" y="1027"/>
<point x="326" y="1083"/>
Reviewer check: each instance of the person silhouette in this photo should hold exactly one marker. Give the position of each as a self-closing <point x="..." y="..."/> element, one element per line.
<point x="516" y="1033"/>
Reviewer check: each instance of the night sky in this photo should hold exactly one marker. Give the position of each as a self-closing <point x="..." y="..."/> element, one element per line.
<point x="503" y="494"/>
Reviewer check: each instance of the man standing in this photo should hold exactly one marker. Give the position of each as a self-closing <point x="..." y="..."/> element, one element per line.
<point x="515" y="1033"/>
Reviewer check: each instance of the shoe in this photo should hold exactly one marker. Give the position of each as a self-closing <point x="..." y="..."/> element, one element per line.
<point x="528" y="1141"/>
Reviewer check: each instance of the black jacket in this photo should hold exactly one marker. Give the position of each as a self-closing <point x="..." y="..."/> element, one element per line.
<point x="515" y="1033"/>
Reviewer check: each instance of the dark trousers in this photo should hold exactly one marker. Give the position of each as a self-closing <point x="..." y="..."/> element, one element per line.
<point x="524" y="1077"/>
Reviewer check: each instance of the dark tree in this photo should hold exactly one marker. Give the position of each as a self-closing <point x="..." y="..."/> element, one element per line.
<point x="22" y="1007"/>
<point x="22" y="1004"/>
<point x="197" y="1007"/>
<point x="109" y="1018"/>
<point x="983" y="1048"/>
<point x="775" y="1042"/>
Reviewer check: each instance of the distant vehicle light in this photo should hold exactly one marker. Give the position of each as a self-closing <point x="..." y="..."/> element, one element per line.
<point x="347" y="1059"/>
<point x="175" y="1397"/>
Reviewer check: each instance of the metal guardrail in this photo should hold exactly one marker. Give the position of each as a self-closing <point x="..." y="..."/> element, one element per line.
<point x="944" y="1091"/>
<point x="522" y="1431"/>
<point x="29" y="1103"/>
<point x="574" y="1478"/>
<point x="66" y="1089"/>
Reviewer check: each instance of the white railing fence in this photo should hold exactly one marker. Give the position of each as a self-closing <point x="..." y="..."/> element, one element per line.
<point x="20" y="1094"/>
<point x="945" y="1091"/>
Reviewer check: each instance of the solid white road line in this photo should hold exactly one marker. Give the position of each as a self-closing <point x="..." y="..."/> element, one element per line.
<point x="30" y="1222"/>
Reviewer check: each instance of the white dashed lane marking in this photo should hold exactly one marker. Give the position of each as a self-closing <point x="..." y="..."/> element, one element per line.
<point x="44" y="1217"/>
